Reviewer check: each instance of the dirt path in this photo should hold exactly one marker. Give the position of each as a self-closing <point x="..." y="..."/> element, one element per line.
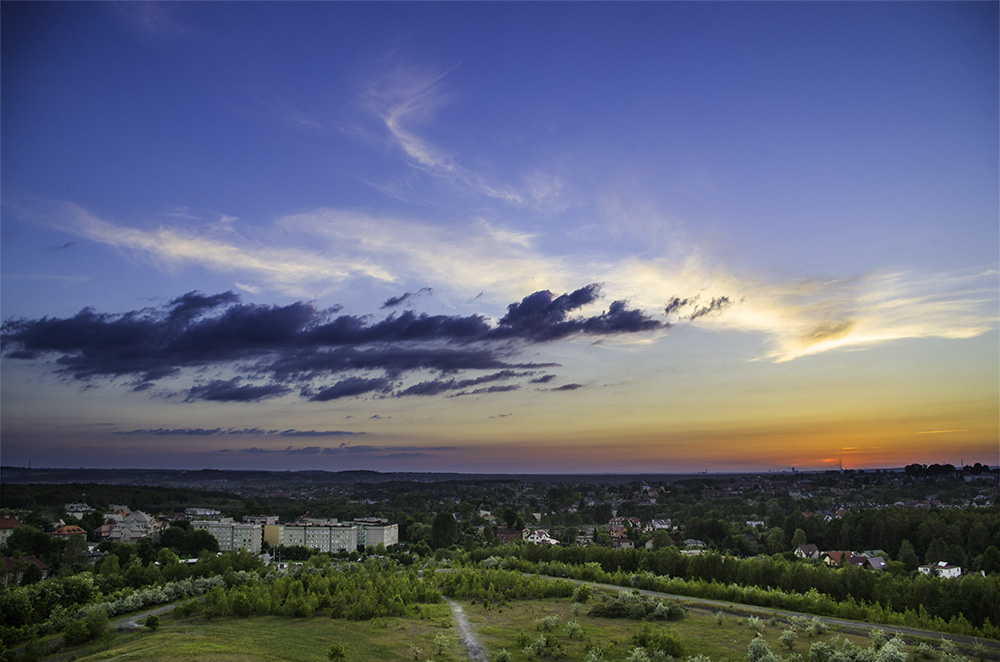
<point x="468" y="638"/>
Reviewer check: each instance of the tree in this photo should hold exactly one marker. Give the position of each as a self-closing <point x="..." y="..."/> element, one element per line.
<point x="444" y="530"/>
<point x="908" y="556"/>
<point x="337" y="653"/>
<point x="798" y="538"/>
<point x="989" y="562"/>
<point x="776" y="541"/>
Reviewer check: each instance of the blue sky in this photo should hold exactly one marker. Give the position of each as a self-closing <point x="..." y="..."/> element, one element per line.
<point x="499" y="236"/>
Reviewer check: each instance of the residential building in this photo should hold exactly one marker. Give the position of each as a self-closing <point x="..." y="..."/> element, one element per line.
<point x="69" y="530"/>
<point x="13" y="568"/>
<point x="807" y="551"/>
<point x="233" y="535"/>
<point x="133" y="527"/>
<point x="508" y="535"/>
<point x="876" y="563"/>
<point x="7" y="526"/>
<point x="941" y="569"/>
<point x="374" y="531"/>
<point x="328" y="538"/>
<point x="834" y="559"/>
<point x="272" y="534"/>
<point x="539" y="537"/>
<point x="77" y="510"/>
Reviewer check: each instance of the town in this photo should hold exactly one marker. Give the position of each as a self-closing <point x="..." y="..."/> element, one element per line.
<point x="852" y="543"/>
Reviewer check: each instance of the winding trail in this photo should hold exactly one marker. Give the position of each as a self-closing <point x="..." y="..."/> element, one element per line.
<point x="468" y="638"/>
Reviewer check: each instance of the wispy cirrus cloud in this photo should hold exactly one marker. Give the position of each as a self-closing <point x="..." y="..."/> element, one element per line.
<point x="405" y="98"/>
<point x="282" y="266"/>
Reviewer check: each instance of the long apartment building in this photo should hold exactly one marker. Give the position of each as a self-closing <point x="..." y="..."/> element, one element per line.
<point x="233" y="535"/>
<point x="332" y="537"/>
<point x="324" y="535"/>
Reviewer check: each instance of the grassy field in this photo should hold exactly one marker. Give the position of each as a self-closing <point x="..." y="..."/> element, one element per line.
<point x="700" y="632"/>
<point x="267" y="639"/>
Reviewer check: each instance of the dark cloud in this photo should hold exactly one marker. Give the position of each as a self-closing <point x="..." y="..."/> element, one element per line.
<point x="352" y="386"/>
<point x="343" y="449"/>
<point x="500" y="388"/>
<point x="320" y="353"/>
<point x="201" y="432"/>
<point x="568" y="387"/>
<point x="440" y="386"/>
<point x="541" y="317"/>
<point x="674" y="305"/>
<point x="715" y="306"/>
<point x="178" y="432"/>
<point x="231" y="391"/>
<point x="392" y="302"/>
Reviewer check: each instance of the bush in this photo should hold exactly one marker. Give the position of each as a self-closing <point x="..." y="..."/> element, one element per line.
<point x="759" y="651"/>
<point x="548" y="623"/>
<point x="152" y="622"/>
<point x="661" y="639"/>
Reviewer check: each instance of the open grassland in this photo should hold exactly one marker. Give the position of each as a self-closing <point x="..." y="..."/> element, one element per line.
<point x="700" y="632"/>
<point x="271" y="638"/>
<point x="266" y="639"/>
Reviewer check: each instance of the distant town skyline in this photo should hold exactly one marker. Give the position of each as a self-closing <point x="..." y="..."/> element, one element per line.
<point x="500" y="238"/>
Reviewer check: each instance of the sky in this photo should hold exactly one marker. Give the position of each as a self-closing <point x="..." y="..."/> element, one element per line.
<point x="652" y="237"/>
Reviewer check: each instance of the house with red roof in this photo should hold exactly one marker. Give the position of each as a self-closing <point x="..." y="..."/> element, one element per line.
<point x="7" y="526"/>
<point x="69" y="530"/>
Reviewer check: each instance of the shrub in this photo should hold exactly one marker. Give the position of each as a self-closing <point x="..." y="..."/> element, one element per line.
<point x="759" y="651"/>
<point x="661" y="639"/>
<point x="548" y="623"/>
<point x="637" y="654"/>
<point x="152" y="622"/>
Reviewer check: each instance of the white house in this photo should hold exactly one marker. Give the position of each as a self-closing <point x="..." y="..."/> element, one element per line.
<point x="539" y="537"/>
<point x="942" y="569"/>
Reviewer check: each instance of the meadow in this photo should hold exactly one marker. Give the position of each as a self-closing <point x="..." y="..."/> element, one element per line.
<point x="418" y="636"/>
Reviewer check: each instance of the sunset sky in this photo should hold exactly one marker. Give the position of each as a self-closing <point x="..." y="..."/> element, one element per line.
<point x="512" y="237"/>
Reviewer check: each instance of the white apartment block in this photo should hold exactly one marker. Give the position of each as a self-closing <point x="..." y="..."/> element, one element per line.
<point x="328" y="538"/>
<point x="373" y="531"/>
<point x="232" y="535"/>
